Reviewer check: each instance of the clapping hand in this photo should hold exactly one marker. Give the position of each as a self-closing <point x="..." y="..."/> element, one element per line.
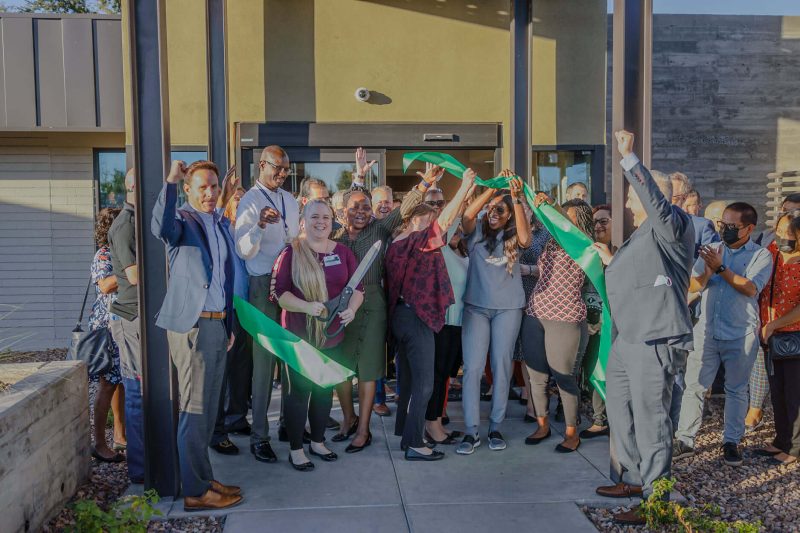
<point x="712" y="257"/>
<point x="268" y="215"/>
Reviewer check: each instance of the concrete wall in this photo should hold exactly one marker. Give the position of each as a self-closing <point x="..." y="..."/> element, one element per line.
<point x="44" y="441"/>
<point x="46" y="234"/>
<point x="726" y="109"/>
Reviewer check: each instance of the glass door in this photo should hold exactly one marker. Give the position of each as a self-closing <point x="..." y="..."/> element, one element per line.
<point x="558" y="171"/>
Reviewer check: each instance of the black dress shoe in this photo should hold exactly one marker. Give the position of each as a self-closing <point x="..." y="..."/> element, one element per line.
<point x="536" y="440"/>
<point x="246" y="430"/>
<point x="226" y="447"/>
<point x="328" y="457"/>
<point x="304" y="467"/>
<point x="413" y="455"/>
<point x="446" y="441"/>
<point x="352" y="448"/>
<point x="263" y="452"/>
<point x="340" y="437"/>
<point x="586" y="434"/>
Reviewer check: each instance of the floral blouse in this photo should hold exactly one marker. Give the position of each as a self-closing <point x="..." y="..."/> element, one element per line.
<point x="101" y="269"/>
<point x="787" y="291"/>
<point x="558" y="293"/>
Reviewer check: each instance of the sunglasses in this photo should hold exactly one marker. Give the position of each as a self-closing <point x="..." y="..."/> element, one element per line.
<point x="500" y="209"/>
<point x="723" y="226"/>
<point x="602" y="221"/>
<point x="278" y="168"/>
<point x="435" y="203"/>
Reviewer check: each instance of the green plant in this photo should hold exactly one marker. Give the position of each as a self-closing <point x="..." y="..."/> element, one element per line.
<point x="128" y="514"/>
<point x="661" y="513"/>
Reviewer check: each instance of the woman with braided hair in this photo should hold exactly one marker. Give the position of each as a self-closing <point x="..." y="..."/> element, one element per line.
<point x="493" y="302"/>
<point x="554" y="328"/>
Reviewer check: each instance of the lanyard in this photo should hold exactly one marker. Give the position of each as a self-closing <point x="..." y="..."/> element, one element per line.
<point x="272" y="203"/>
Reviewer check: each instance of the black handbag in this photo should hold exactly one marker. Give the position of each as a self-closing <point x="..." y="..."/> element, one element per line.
<point x="92" y="347"/>
<point x="782" y="346"/>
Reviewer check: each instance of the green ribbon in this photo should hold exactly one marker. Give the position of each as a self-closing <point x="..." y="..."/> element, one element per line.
<point x="577" y="245"/>
<point x="294" y="351"/>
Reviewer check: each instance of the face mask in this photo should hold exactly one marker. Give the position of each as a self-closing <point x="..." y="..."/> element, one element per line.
<point x="730" y="236"/>
<point x="786" y="245"/>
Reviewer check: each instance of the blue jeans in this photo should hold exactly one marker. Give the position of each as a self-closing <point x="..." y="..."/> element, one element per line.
<point x="738" y="357"/>
<point x="134" y="429"/>
<point x="380" y="391"/>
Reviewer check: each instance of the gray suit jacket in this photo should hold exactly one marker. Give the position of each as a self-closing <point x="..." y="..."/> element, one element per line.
<point x="648" y="279"/>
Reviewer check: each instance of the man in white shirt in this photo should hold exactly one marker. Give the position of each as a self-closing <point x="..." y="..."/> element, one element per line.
<point x="267" y="219"/>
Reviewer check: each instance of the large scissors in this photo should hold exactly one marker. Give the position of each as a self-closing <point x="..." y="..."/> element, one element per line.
<point x="336" y="305"/>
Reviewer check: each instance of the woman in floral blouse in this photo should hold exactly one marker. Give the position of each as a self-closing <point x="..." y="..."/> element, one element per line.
<point x="110" y="392"/>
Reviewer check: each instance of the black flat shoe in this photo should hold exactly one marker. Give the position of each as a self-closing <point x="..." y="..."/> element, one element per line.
<point x="450" y="439"/>
<point x="225" y="447"/>
<point x="413" y="455"/>
<point x="563" y="449"/>
<point x="332" y="424"/>
<point x="430" y="445"/>
<point x="328" y="457"/>
<point x="586" y="434"/>
<point x="537" y="440"/>
<point x="116" y="458"/>
<point x="305" y="467"/>
<point x="341" y="437"/>
<point x="763" y="452"/>
<point x="529" y="418"/>
<point x="263" y="452"/>
<point x="352" y="448"/>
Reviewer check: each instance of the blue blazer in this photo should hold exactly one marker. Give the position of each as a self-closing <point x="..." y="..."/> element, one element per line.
<point x="704" y="233"/>
<point x="190" y="263"/>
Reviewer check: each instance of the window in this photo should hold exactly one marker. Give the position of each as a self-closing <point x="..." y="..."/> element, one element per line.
<point x="110" y="174"/>
<point x="556" y="170"/>
<point x="110" y="168"/>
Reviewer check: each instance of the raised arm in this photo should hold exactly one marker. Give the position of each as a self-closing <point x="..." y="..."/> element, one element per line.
<point x="164" y="224"/>
<point x="470" y="217"/>
<point x="456" y="205"/>
<point x="521" y="220"/>
<point x="670" y="222"/>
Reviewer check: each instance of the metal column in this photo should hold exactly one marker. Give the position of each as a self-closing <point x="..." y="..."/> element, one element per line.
<point x="631" y="105"/>
<point x="151" y="155"/>
<point x="216" y="18"/>
<point x="521" y="88"/>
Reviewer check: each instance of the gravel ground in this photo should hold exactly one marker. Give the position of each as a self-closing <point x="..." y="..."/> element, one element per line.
<point x="753" y="491"/>
<point x="107" y="481"/>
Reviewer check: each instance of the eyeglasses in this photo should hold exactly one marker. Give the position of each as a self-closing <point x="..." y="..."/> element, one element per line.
<point x="723" y="226"/>
<point x="435" y="203"/>
<point x="278" y="168"/>
<point x="602" y="221"/>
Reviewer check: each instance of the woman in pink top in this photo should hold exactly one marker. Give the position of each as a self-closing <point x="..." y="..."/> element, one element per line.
<point x="553" y="328"/>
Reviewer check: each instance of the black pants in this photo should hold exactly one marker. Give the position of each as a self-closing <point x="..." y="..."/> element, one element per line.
<point x="236" y="385"/>
<point x="415" y="358"/>
<point x="448" y="352"/>
<point x="304" y="399"/>
<point x="785" y="394"/>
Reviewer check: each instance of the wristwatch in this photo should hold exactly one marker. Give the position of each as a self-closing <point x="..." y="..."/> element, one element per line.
<point x="721" y="269"/>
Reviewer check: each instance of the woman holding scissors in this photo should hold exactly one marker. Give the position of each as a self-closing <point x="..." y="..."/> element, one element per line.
<point x="313" y="270"/>
<point x="419" y="295"/>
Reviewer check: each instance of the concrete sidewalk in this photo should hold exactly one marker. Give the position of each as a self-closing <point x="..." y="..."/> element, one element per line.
<point x="520" y="488"/>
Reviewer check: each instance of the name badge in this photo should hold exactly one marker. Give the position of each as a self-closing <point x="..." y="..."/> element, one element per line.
<point x="331" y="260"/>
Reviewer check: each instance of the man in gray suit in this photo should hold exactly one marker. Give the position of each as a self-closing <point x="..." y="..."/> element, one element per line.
<point x="198" y="315"/>
<point x="647" y="282"/>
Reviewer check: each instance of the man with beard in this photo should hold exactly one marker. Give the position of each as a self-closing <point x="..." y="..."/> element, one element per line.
<point x="267" y="219"/>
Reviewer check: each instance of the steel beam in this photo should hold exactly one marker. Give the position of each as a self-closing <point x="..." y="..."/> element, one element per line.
<point x="151" y="155"/>
<point x="521" y="24"/>
<point x="216" y="18"/>
<point x="631" y="98"/>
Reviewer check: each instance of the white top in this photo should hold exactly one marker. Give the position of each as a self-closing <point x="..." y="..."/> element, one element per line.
<point x="260" y="247"/>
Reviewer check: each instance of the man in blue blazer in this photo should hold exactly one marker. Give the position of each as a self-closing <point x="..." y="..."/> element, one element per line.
<point x="647" y="282"/>
<point x="198" y="315"/>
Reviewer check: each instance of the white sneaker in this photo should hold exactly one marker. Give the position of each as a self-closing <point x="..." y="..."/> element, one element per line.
<point x="468" y="445"/>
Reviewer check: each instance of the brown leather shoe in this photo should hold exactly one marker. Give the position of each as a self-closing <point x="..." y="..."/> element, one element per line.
<point x="210" y="501"/>
<point x="225" y="490"/>
<point x="620" y="490"/>
<point x="630" y="518"/>
<point x="381" y="409"/>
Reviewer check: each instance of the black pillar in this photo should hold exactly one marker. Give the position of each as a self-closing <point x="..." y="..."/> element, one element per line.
<point x="150" y="129"/>
<point x="217" y="84"/>
<point x="631" y="97"/>
<point x="521" y="89"/>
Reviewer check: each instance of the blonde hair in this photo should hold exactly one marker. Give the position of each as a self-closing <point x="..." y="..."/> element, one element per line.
<point x="308" y="276"/>
<point x="231" y="206"/>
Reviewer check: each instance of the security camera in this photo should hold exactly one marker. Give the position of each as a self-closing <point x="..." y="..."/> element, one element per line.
<point x="362" y="94"/>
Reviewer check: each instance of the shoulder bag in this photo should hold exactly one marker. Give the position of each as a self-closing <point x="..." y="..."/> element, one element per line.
<point x="92" y="347"/>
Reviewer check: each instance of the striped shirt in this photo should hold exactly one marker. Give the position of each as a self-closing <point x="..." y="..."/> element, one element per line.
<point x="378" y="230"/>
